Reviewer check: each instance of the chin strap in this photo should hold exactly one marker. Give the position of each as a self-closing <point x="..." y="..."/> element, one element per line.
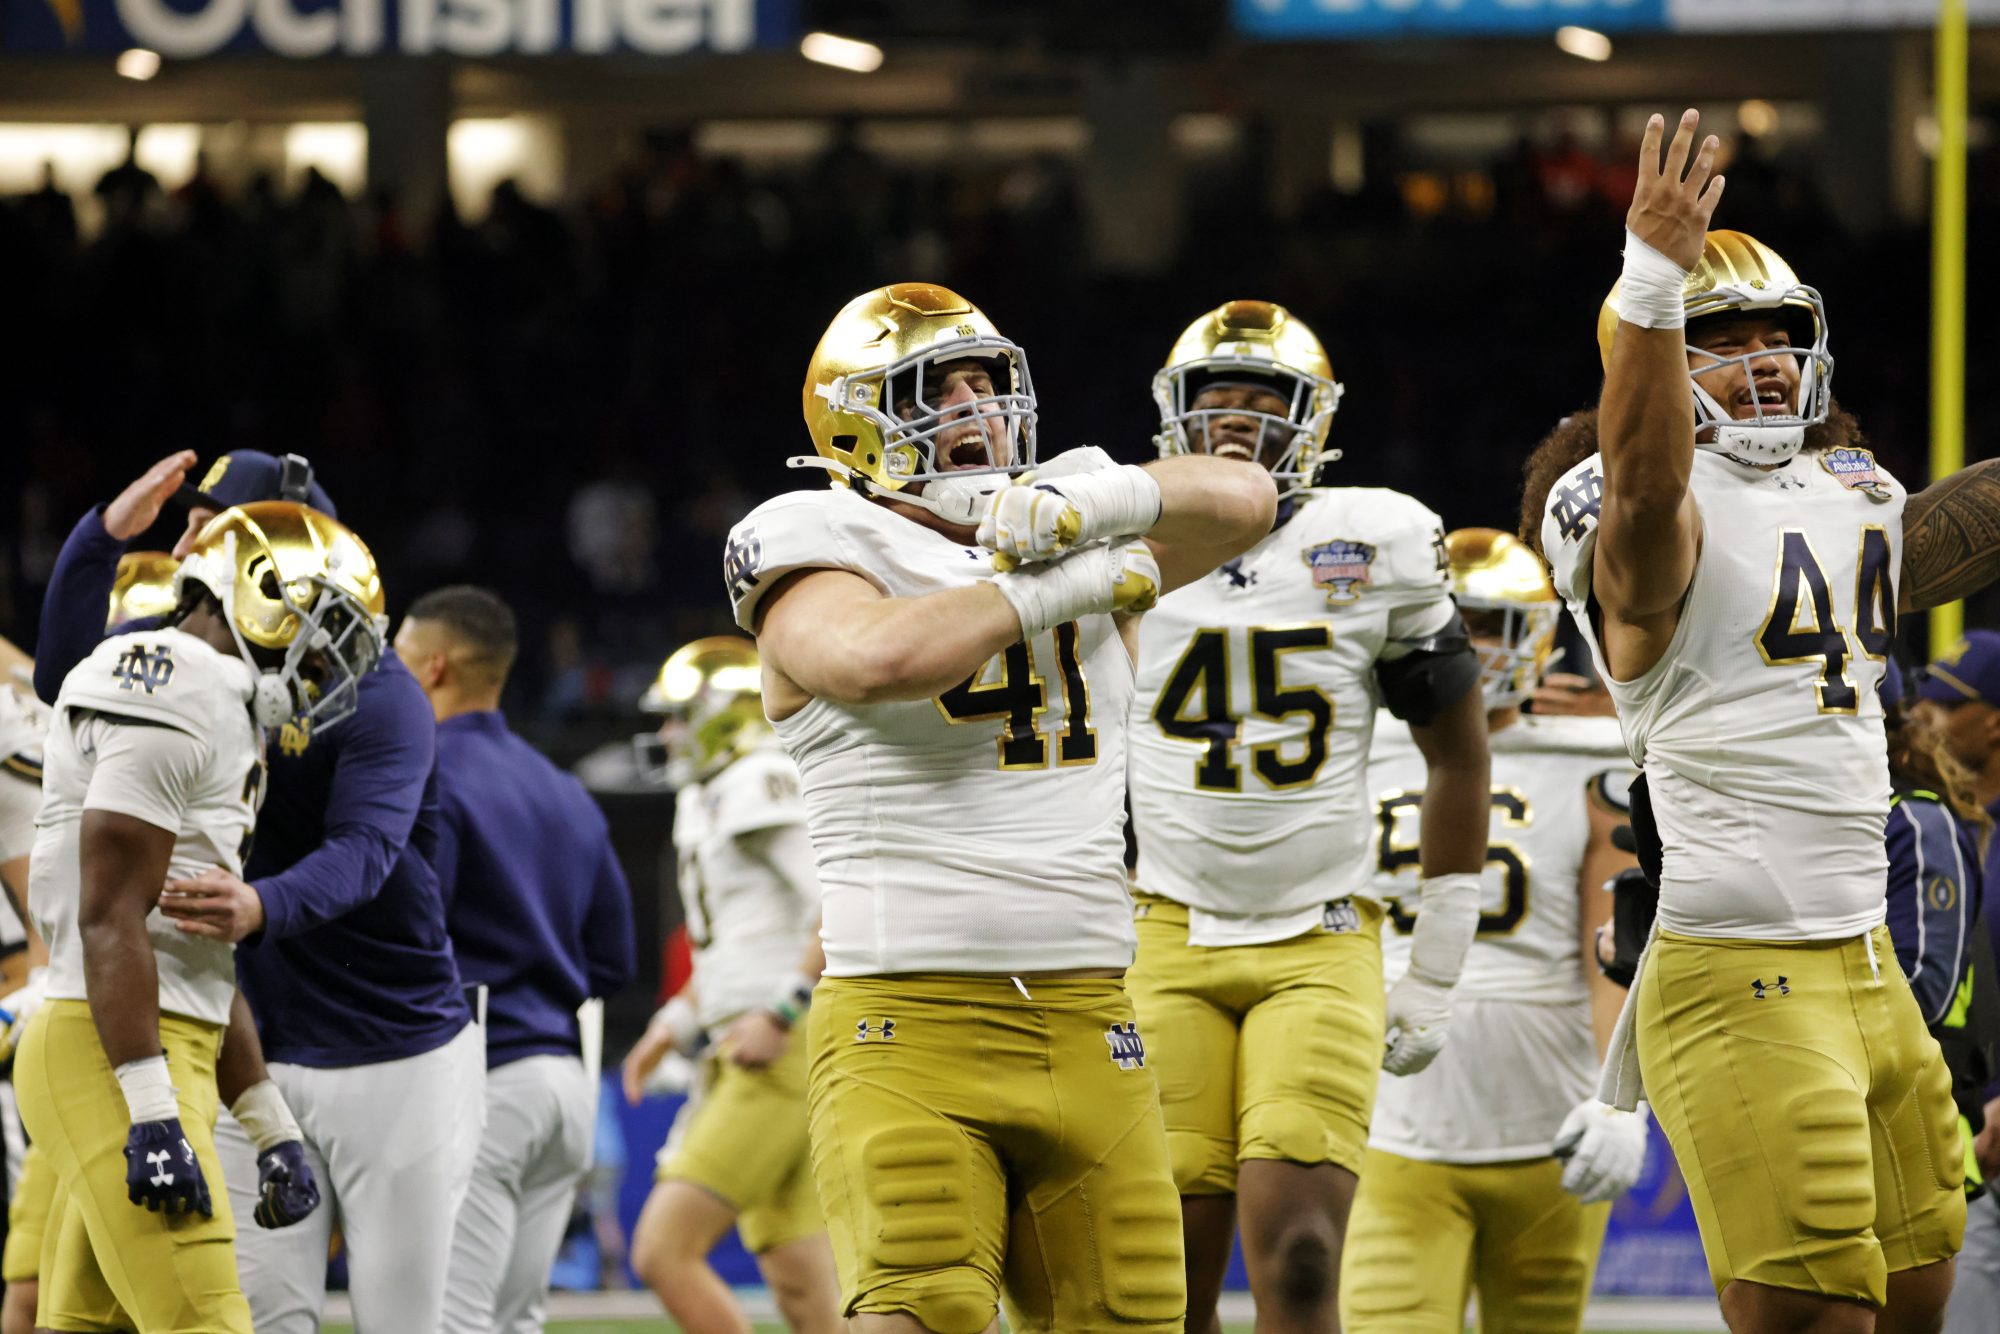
<point x="959" y="500"/>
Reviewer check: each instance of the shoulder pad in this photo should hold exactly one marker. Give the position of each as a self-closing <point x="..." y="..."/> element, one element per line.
<point x="1394" y="540"/>
<point x="161" y="676"/>
<point x="1069" y="463"/>
<point x="800" y="530"/>
<point x="24" y="720"/>
<point x="1569" y="527"/>
<point x="759" y="791"/>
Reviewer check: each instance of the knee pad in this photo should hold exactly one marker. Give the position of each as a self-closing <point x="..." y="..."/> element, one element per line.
<point x="915" y="1188"/>
<point x="1145" y="1278"/>
<point x="938" y="1304"/>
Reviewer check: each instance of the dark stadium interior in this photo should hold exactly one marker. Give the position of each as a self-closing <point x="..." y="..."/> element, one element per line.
<point x="573" y="403"/>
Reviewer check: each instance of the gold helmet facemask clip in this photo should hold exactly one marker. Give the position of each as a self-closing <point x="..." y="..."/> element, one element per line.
<point x="1254" y="344"/>
<point x="298" y="584"/>
<point x="711" y="692"/>
<point x="1739" y="275"/>
<point x="1496" y="578"/>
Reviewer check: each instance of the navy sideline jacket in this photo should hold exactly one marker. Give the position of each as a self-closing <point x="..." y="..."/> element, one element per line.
<point x="539" y="910"/>
<point x="1935" y="891"/>
<point x="353" y="965"/>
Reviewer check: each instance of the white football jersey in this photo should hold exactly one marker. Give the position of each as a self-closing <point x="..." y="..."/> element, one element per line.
<point x="1544" y="770"/>
<point x="747" y="883"/>
<point x="1256" y="701"/>
<point x="978" y="832"/>
<point x="155" y="725"/>
<point x="23" y="721"/>
<point x="1759" y="729"/>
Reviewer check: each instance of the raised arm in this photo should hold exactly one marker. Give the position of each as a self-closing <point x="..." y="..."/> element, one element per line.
<point x="1951" y="537"/>
<point x="1649" y="530"/>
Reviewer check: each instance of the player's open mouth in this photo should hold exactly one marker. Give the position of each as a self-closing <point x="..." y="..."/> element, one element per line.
<point x="1767" y="400"/>
<point x="1234" y="449"/>
<point x="968" y="453"/>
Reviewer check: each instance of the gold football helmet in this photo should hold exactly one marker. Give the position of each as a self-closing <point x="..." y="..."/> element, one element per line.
<point x="297" y="588"/>
<point x="1739" y="274"/>
<point x="712" y="693"/>
<point x="871" y="402"/>
<point x="1265" y="345"/>
<point x="1495" y="573"/>
<point x="143" y="587"/>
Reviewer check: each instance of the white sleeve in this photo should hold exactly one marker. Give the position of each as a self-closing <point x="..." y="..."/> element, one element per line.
<point x="143" y="770"/>
<point x="19" y="800"/>
<point x="1569" y="529"/>
<point x="1417" y="621"/>
<point x="783" y="536"/>
<point x="759" y="791"/>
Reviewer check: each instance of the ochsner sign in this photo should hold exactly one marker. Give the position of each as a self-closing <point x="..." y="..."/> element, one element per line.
<point x="189" y="29"/>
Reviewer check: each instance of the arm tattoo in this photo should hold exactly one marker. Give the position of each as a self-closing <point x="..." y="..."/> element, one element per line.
<point x="1951" y="537"/>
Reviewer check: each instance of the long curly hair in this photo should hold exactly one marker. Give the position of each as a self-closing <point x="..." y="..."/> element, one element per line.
<point x="1918" y="758"/>
<point x="1575" y="439"/>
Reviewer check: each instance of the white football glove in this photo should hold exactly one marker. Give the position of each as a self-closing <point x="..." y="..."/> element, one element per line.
<point x="1419" y="1011"/>
<point x="1042" y="515"/>
<point x="1602" y="1149"/>
<point x="1110" y="578"/>
<point x="1420" y="1002"/>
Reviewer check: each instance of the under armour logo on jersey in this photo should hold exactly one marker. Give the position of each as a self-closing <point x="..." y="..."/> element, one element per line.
<point x="159" y="1158"/>
<point x="886" y="1030"/>
<point x="143" y="667"/>
<point x="1237" y="576"/>
<point x="740" y="560"/>
<point x="1341" y="917"/>
<point x="1575" y="506"/>
<point x="1758" y="990"/>
<point x="1128" y="1049"/>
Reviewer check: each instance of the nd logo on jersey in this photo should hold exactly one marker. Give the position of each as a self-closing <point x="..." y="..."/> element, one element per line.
<point x="139" y="667"/>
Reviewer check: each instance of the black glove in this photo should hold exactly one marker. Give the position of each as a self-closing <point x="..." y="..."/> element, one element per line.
<point x="161" y="1171"/>
<point x="1634" y="904"/>
<point x="286" y="1191"/>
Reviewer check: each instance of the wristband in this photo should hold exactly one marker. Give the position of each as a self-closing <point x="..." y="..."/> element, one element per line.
<point x="792" y="999"/>
<point x="264" y="1116"/>
<point x="1447" y="920"/>
<point x="1111" y="502"/>
<point x="681" y="1022"/>
<point x="1083" y="582"/>
<point x="1649" y="291"/>
<point x="149" y="1092"/>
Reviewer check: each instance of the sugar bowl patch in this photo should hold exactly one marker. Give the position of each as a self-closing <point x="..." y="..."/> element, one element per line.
<point x="1340" y="567"/>
<point x="1855" y="469"/>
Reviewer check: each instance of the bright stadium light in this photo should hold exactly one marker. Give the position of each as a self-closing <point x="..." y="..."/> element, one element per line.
<point x="1584" y="43"/>
<point x="841" y="52"/>
<point x="1757" y="117"/>
<point x="139" y="63"/>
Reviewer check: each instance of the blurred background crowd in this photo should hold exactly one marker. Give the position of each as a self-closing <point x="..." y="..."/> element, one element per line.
<point x="572" y="400"/>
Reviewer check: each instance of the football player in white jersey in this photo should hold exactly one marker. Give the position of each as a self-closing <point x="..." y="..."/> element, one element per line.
<point x="154" y="767"/>
<point x="1733" y="555"/>
<point x="1259" y="973"/>
<point x="983" y="1121"/>
<point x="737" y="1154"/>
<point x="1461" y="1189"/>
